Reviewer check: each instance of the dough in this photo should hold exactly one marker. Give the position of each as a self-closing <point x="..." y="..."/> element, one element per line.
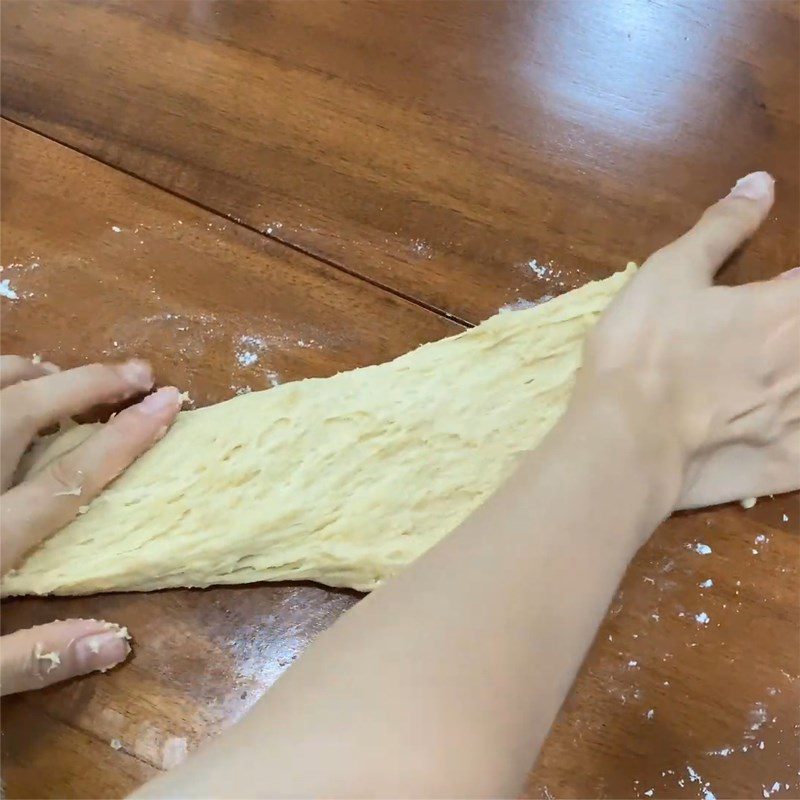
<point x="341" y="480"/>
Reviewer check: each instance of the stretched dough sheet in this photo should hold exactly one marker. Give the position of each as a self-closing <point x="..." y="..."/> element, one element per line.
<point x="341" y="480"/>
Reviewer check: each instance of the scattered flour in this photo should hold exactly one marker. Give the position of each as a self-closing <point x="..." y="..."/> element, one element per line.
<point x="6" y="290"/>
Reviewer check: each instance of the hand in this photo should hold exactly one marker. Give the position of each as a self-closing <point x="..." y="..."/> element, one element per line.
<point x="34" y="397"/>
<point x="714" y="370"/>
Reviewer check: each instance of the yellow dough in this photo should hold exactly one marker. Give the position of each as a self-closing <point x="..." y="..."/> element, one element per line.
<point x="341" y="480"/>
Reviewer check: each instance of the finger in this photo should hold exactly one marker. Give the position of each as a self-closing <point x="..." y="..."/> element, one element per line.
<point x="48" y="399"/>
<point x="46" y="654"/>
<point x="38" y="507"/>
<point x="14" y="369"/>
<point x="32" y="405"/>
<point x="775" y="299"/>
<point x="699" y="253"/>
<point x="784" y="282"/>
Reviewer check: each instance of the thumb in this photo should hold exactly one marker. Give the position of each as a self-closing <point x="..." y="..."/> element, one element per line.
<point x="695" y="258"/>
<point x="46" y="654"/>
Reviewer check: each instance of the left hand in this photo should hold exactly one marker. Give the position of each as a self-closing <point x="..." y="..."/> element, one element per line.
<point x="33" y="397"/>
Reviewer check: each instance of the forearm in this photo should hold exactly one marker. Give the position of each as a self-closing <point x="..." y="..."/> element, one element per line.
<point x="445" y="681"/>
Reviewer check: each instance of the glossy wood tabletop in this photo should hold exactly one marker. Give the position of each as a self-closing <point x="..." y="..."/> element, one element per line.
<point x="457" y="152"/>
<point x="249" y="193"/>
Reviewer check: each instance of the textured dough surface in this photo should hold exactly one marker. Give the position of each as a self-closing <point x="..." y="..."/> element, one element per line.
<point x="341" y="480"/>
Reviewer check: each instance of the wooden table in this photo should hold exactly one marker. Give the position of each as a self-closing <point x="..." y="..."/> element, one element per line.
<point x="327" y="185"/>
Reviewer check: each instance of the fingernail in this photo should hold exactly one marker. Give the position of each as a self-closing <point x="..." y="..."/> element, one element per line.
<point x="49" y="367"/>
<point x="754" y="186"/>
<point x="137" y="373"/>
<point x="168" y="397"/>
<point x="790" y="273"/>
<point x="101" y="650"/>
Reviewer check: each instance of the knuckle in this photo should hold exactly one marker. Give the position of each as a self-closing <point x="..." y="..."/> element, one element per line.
<point x="114" y="446"/>
<point x="107" y="378"/>
<point x="102" y="375"/>
<point x="65" y="475"/>
<point x="19" y="405"/>
<point x="710" y="249"/>
<point x="106" y="372"/>
<point x="114" y="440"/>
<point x="665" y="259"/>
<point x="733" y="216"/>
<point x="95" y="382"/>
<point x="40" y="663"/>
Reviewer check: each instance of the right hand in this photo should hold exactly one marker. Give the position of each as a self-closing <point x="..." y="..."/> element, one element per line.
<point x="715" y="369"/>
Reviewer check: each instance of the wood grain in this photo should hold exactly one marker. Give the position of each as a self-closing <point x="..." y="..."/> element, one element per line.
<point x="437" y="149"/>
<point x="106" y="267"/>
<point x="218" y="310"/>
<point x="44" y="755"/>
<point x="201" y="658"/>
<point x="467" y="154"/>
<point x="672" y="703"/>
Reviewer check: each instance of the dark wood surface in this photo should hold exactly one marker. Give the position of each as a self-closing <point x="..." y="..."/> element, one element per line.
<point x="106" y="266"/>
<point x="199" y="297"/>
<point x="461" y="156"/>
<point x="436" y="147"/>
